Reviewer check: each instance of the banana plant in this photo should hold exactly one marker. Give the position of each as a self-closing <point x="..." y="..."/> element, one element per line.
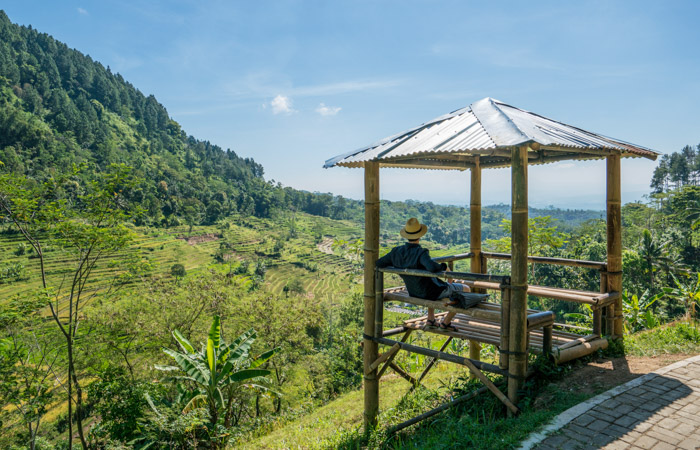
<point x="637" y="311"/>
<point x="688" y="292"/>
<point x="218" y="369"/>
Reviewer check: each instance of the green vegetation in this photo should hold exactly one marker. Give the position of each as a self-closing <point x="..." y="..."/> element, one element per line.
<point x="120" y="235"/>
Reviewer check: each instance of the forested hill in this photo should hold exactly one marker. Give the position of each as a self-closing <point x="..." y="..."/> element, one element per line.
<point x="59" y="107"/>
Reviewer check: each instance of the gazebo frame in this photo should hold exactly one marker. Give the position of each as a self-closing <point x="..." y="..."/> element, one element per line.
<point x="516" y="322"/>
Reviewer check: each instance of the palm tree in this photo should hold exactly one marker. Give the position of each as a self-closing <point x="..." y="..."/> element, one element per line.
<point x="655" y="254"/>
<point x="692" y="214"/>
<point x="217" y="371"/>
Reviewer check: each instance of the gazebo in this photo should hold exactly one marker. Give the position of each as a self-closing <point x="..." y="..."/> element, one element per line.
<point x="490" y="134"/>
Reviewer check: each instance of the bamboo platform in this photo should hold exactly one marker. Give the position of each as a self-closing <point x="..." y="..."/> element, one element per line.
<point x="488" y="332"/>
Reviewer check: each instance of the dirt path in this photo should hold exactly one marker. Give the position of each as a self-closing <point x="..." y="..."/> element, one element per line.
<point x="200" y="239"/>
<point x="605" y="373"/>
<point x="325" y="246"/>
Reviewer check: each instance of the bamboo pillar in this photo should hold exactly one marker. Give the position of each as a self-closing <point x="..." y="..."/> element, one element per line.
<point x="614" y="216"/>
<point x="371" y="253"/>
<point x="517" y="364"/>
<point x="475" y="242"/>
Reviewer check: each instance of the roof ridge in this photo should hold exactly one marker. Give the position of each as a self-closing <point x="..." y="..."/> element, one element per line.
<point x="497" y="124"/>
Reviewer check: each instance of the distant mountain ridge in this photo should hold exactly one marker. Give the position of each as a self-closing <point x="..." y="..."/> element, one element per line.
<point x="59" y="107"/>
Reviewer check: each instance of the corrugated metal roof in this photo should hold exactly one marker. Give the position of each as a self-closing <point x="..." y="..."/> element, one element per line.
<point x="485" y="125"/>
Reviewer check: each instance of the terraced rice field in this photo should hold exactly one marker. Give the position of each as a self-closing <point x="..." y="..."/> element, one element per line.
<point x="161" y="248"/>
<point x="321" y="274"/>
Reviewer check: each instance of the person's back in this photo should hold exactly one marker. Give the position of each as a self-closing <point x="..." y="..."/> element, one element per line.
<point x="413" y="256"/>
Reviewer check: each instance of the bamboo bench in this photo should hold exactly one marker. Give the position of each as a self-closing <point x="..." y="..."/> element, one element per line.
<point x="482" y="323"/>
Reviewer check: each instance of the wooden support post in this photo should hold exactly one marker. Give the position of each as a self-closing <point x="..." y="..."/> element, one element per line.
<point x="547" y="339"/>
<point x="614" y="210"/>
<point x="608" y="311"/>
<point x="517" y="364"/>
<point x="371" y="382"/>
<point x="378" y="303"/>
<point x="505" y="327"/>
<point x="475" y="241"/>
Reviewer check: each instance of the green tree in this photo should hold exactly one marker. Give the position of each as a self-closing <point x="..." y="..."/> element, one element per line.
<point x="178" y="271"/>
<point x="88" y="230"/>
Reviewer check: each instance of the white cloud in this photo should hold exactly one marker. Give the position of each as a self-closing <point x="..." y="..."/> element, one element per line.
<point x="83" y="11"/>
<point x="281" y="105"/>
<point x="263" y="84"/>
<point x="327" y="110"/>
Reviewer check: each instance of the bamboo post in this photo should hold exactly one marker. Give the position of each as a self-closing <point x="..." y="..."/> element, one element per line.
<point x="547" y="339"/>
<point x="475" y="241"/>
<point x="378" y="303"/>
<point x="602" y="323"/>
<point x="505" y="327"/>
<point x="517" y="364"/>
<point x="371" y="253"/>
<point x="614" y="222"/>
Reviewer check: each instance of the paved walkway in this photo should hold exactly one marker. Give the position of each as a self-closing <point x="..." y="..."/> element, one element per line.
<point x="659" y="410"/>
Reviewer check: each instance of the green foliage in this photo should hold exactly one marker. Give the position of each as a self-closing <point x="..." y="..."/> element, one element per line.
<point x="120" y="402"/>
<point x="178" y="271"/>
<point x="216" y="372"/>
<point x="679" y="337"/>
<point x="637" y="311"/>
<point x="687" y="293"/>
<point x="543" y="237"/>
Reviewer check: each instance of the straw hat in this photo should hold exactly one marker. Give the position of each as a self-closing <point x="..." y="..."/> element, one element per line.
<point x="413" y="229"/>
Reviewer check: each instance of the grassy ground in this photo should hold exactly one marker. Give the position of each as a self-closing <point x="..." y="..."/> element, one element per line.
<point x="478" y="424"/>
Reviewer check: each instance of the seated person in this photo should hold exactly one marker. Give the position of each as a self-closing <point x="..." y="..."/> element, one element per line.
<point x="412" y="256"/>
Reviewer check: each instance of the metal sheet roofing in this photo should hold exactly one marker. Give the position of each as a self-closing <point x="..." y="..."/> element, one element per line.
<point x="487" y="129"/>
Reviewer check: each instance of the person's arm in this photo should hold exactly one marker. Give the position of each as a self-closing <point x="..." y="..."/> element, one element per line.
<point x="430" y="265"/>
<point x="385" y="261"/>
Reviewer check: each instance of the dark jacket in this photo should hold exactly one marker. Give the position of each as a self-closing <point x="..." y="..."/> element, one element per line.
<point x="413" y="256"/>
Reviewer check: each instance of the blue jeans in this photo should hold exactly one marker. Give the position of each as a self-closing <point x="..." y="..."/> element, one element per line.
<point x="451" y="288"/>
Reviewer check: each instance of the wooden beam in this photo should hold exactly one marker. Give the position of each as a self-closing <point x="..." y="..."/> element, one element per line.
<point x="553" y="151"/>
<point x="442" y="355"/>
<point x="549" y="260"/>
<point x="437" y="410"/>
<point x="580" y="350"/>
<point x="475" y="240"/>
<point x="403" y="373"/>
<point x="371" y="253"/>
<point x="434" y="360"/>
<point x="426" y="163"/>
<point x="517" y="363"/>
<point x="474" y="366"/>
<point x="384" y="356"/>
<point x="391" y="358"/>
<point x="614" y="228"/>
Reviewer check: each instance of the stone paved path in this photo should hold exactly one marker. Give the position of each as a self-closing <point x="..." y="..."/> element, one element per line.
<point x="660" y="410"/>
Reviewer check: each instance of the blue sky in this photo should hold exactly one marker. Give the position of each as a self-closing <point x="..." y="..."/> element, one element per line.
<point x="293" y="83"/>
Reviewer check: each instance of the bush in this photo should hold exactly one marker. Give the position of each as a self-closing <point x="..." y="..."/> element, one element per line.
<point x="21" y="249"/>
<point x="120" y="402"/>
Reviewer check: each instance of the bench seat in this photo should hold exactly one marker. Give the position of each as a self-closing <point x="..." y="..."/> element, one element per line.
<point x="487" y="332"/>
